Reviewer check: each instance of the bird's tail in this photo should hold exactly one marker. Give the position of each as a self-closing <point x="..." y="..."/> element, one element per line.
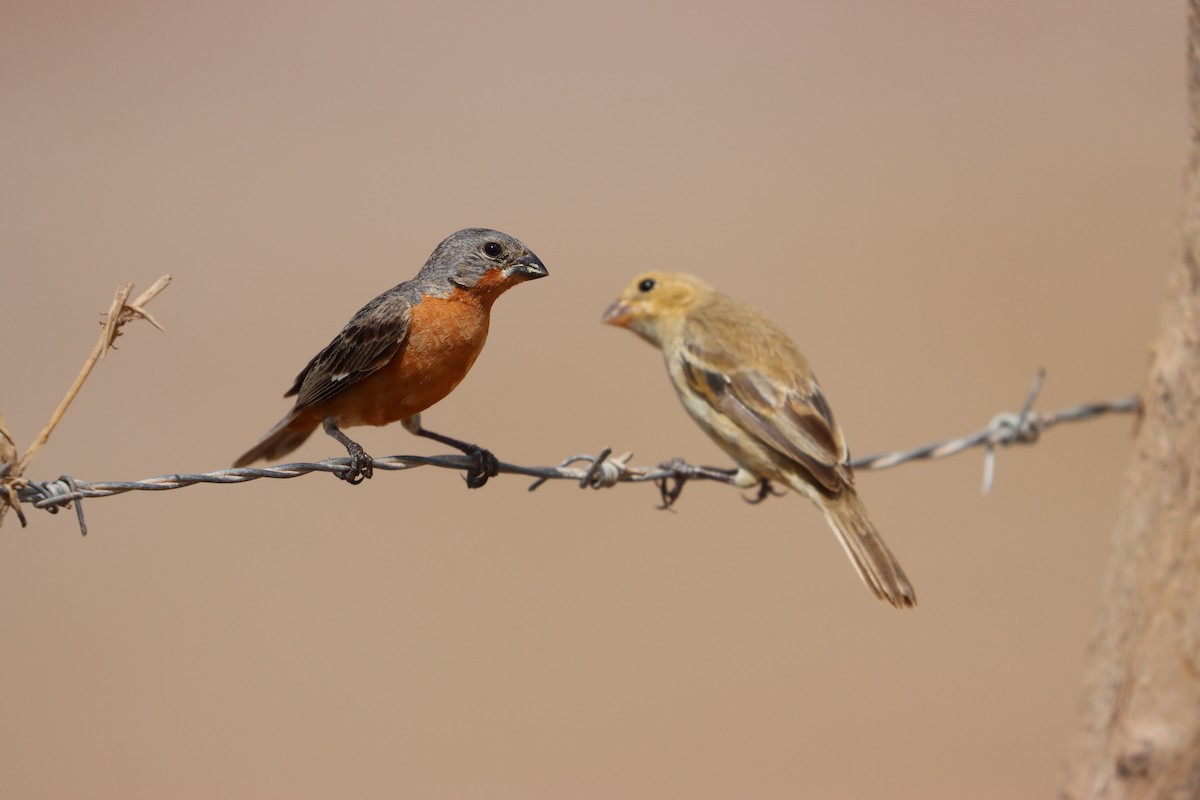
<point x="876" y="565"/>
<point x="285" y="437"/>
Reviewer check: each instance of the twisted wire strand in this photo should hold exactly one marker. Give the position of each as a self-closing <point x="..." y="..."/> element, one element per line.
<point x="596" y="472"/>
<point x="1005" y="429"/>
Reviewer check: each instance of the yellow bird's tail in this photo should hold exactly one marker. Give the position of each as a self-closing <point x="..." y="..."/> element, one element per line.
<point x="876" y="565"/>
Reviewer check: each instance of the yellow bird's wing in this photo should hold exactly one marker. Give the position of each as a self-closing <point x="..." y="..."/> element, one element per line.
<point x="764" y="385"/>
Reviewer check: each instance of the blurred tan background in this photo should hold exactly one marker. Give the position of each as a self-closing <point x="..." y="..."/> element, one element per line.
<point x="934" y="198"/>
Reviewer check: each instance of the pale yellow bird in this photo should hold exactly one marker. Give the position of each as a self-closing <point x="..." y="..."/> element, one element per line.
<point x="751" y="389"/>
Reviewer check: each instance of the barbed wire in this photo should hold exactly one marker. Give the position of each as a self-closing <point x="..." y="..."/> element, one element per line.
<point x="602" y="470"/>
<point x="1005" y="429"/>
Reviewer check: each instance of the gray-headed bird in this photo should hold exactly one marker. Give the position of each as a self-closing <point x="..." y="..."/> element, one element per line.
<point x="404" y="351"/>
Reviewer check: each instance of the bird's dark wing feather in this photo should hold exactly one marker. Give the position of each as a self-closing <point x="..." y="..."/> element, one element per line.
<point x="369" y="341"/>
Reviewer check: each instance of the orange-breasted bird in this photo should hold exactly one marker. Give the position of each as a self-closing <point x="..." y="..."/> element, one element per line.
<point x="404" y="351"/>
<point x="751" y="389"/>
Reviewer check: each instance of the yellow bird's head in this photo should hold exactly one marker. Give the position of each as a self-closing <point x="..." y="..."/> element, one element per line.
<point x="655" y="304"/>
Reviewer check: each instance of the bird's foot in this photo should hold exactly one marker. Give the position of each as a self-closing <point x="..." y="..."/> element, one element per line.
<point x="360" y="467"/>
<point x="671" y="486"/>
<point x="765" y="490"/>
<point x="669" y="490"/>
<point x="486" y="466"/>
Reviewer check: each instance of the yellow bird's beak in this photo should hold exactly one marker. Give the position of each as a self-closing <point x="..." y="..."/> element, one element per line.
<point x="617" y="314"/>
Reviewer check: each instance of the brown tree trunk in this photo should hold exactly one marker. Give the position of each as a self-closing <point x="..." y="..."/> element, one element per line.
<point x="1139" y="731"/>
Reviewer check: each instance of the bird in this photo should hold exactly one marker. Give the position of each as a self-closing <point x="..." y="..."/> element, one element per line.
<point x="404" y="351"/>
<point x="748" y="386"/>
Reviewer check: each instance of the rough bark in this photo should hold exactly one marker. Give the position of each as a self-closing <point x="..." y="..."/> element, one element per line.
<point x="1139" y="730"/>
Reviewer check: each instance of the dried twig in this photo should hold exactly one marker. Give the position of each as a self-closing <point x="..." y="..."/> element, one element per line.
<point x="121" y="312"/>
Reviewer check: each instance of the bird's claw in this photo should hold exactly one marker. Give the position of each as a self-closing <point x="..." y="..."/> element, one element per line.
<point x="669" y="490"/>
<point x="671" y="486"/>
<point x="486" y="466"/>
<point x="765" y="490"/>
<point x="360" y="467"/>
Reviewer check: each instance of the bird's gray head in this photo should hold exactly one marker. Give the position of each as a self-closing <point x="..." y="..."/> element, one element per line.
<point x="482" y="260"/>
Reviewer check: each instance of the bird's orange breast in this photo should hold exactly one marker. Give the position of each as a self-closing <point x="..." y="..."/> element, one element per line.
<point x="445" y="336"/>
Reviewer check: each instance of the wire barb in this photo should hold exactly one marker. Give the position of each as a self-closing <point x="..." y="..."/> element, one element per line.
<point x="601" y="471"/>
<point x="1005" y="429"/>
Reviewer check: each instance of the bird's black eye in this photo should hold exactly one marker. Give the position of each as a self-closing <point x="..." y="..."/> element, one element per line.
<point x="492" y="249"/>
<point x="646" y="285"/>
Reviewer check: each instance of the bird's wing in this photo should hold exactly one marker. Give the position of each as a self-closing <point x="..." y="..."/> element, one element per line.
<point x="369" y="341"/>
<point x="778" y="402"/>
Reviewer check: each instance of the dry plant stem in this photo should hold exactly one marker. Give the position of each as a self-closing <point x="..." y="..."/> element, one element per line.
<point x="97" y="351"/>
<point x="8" y="448"/>
<point x="118" y="314"/>
<point x="8" y="460"/>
